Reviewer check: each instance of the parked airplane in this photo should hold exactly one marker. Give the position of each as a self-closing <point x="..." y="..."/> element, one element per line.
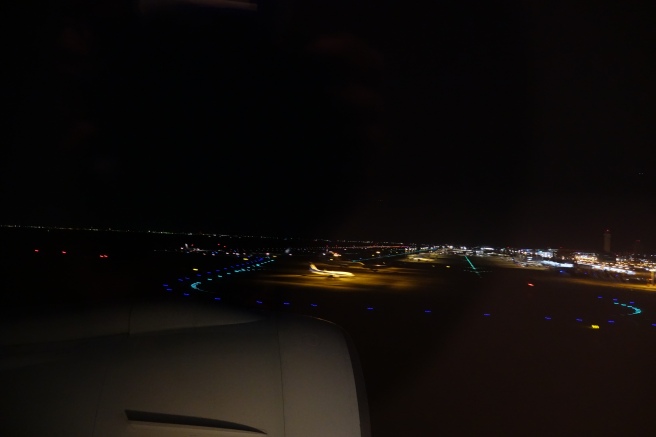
<point x="329" y="273"/>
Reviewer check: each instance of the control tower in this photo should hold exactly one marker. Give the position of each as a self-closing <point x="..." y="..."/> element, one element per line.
<point x="607" y="241"/>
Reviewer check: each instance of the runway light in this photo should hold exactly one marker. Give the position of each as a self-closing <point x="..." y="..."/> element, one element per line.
<point x="595" y="326"/>
<point x="194" y="269"/>
<point x="531" y="285"/>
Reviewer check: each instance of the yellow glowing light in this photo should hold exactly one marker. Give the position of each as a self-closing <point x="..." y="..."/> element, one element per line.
<point x="245" y="259"/>
<point x="448" y="267"/>
<point x="194" y="269"/>
<point x="595" y="326"/>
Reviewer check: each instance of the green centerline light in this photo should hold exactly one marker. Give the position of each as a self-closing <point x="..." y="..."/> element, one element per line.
<point x="472" y="266"/>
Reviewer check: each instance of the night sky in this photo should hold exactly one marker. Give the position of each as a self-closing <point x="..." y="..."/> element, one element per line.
<point x="500" y="123"/>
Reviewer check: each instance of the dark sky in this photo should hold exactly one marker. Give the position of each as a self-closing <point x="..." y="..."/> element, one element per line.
<point x="502" y="123"/>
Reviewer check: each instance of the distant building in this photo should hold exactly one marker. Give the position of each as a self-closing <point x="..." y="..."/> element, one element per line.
<point x="607" y="241"/>
<point x="606" y="257"/>
<point x="564" y="255"/>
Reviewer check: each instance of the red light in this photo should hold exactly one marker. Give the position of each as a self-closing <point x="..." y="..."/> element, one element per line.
<point x="36" y="250"/>
<point x="63" y="252"/>
<point x="531" y="285"/>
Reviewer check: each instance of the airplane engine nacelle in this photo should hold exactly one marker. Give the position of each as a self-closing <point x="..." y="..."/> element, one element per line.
<point x="179" y="369"/>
